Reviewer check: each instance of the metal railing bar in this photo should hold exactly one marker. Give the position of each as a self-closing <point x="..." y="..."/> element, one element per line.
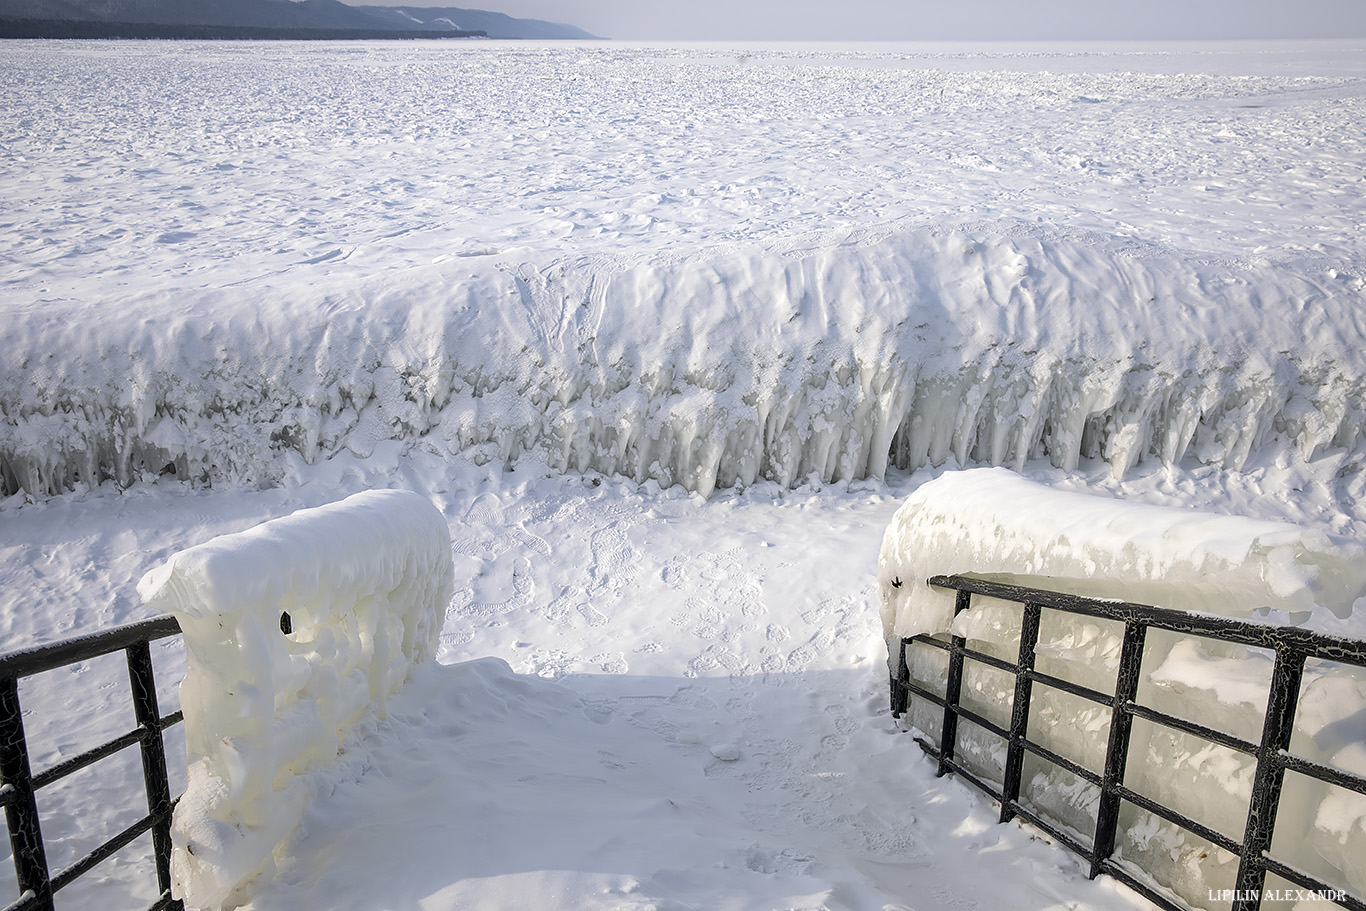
<point x="1291" y="645"/>
<point x="165" y="901"/>
<point x="1307" y="881"/>
<point x="1067" y="686"/>
<point x="955" y="766"/>
<point x="1286" y="678"/>
<point x="25" y="902"/>
<point x="948" y="737"/>
<point x="1319" y="645"/>
<point x="983" y="723"/>
<point x="1018" y="808"/>
<point x="142" y="678"/>
<point x="39" y="658"/>
<point x="1019" y="711"/>
<point x="921" y="692"/>
<point x="991" y="660"/>
<point x="1048" y="828"/>
<point x="900" y="695"/>
<point x="1214" y="836"/>
<point x="102" y="853"/>
<point x="959" y="769"/>
<point x="1117" y="742"/>
<point x="1190" y="727"/>
<point x="1326" y="773"/>
<point x="1111" y="868"/>
<point x="76" y="763"/>
<point x="1062" y="762"/>
<point x="21" y="814"/>
<point x="36" y="883"/>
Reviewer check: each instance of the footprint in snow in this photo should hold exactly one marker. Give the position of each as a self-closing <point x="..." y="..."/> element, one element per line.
<point x="611" y="663"/>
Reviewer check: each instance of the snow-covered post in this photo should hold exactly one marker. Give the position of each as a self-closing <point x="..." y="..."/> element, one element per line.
<point x="365" y="583"/>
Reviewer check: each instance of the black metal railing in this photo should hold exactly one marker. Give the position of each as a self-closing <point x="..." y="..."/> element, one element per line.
<point x="18" y="784"/>
<point x="1292" y="647"/>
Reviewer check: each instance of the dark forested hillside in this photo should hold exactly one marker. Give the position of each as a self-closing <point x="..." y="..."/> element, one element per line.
<point x="497" y="25"/>
<point x="258" y="19"/>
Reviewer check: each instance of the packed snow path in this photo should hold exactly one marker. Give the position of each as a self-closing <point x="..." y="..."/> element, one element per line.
<point x="638" y="792"/>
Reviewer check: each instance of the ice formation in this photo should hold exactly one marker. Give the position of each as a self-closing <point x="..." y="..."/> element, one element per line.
<point x="993" y="523"/>
<point x="835" y="359"/>
<point x="821" y="265"/>
<point x="365" y="583"/>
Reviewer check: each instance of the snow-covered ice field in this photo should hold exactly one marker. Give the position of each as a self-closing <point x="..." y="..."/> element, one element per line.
<point x="666" y="334"/>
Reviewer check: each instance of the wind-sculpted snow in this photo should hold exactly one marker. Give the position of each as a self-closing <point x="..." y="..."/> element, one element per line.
<point x="688" y="266"/>
<point x="835" y="360"/>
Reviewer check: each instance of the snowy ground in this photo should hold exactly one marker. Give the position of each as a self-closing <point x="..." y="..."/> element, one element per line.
<point x="692" y="712"/>
<point x="647" y="699"/>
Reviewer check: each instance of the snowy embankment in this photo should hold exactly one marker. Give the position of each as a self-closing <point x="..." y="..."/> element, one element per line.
<point x="906" y="346"/>
<point x="365" y="583"/>
<point x="996" y="524"/>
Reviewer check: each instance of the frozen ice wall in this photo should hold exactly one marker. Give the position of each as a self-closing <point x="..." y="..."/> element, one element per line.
<point x="832" y="356"/>
<point x="993" y="523"/>
<point x="365" y="583"/>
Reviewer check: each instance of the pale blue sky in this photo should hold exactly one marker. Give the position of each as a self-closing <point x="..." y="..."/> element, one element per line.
<point x="910" y="20"/>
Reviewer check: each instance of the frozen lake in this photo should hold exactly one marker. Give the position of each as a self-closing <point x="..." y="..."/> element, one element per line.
<point x="131" y="167"/>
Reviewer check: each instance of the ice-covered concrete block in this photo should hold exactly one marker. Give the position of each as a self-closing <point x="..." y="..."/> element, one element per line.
<point x="365" y="582"/>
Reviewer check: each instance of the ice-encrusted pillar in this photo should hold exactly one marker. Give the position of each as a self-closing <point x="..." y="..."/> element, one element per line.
<point x="365" y="583"/>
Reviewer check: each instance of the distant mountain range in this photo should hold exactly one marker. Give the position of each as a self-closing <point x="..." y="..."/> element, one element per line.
<point x="260" y="19"/>
<point x="495" y="25"/>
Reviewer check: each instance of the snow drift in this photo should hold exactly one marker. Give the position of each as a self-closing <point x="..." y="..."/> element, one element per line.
<point x="365" y="583"/>
<point x="835" y="359"/>
<point x="995" y="524"/>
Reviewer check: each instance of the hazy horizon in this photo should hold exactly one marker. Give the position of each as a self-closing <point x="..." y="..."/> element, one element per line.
<point x="970" y="20"/>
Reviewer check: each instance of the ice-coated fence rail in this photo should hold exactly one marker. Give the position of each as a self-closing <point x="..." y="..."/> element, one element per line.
<point x="18" y="783"/>
<point x="1211" y="572"/>
<point x="1272" y="752"/>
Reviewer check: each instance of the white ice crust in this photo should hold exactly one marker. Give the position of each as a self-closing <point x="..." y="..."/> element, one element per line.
<point x="365" y="582"/>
